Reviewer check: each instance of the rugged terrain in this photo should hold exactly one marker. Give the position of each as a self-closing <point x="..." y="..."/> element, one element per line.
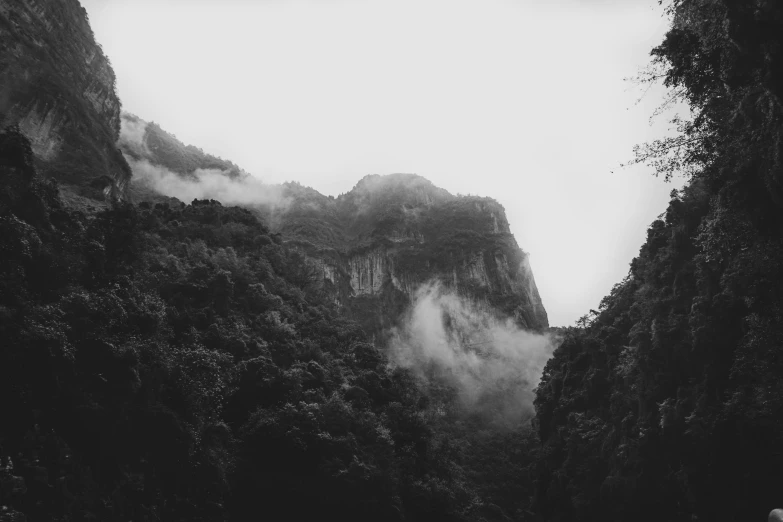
<point x="371" y="247"/>
<point x="668" y="404"/>
<point x="172" y="361"/>
<point x="58" y="86"/>
<point x="378" y="243"/>
<point x="167" y="363"/>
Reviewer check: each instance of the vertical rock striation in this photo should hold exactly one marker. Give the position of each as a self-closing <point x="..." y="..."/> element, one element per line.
<point x="390" y="234"/>
<point x="59" y="87"/>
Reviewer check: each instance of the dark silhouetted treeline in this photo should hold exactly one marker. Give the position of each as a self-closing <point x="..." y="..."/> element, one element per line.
<point x="668" y="405"/>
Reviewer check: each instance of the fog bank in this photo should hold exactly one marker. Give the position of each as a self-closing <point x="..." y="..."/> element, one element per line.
<point x="492" y="363"/>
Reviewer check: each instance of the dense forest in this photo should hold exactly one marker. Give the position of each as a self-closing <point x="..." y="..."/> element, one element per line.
<point x="182" y="362"/>
<point x="177" y="362"/>
<point x="668" y="403"/>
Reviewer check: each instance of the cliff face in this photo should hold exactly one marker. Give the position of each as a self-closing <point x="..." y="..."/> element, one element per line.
<point x="375" y="245"/>
<point x="58" y="86"/>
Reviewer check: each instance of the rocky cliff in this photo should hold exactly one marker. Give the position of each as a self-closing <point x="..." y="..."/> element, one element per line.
<point x="59" y="88"/>
<point x="374" y="246"/>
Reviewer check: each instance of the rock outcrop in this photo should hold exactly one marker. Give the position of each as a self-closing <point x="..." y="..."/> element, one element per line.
<point x="379" y="242"/>
<point x="57" y="85"/>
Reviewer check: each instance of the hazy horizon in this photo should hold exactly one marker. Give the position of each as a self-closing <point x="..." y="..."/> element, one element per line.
<point x="524" y="102"/>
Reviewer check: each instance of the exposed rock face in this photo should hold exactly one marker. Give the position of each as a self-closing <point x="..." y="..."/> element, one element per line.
<point x="376" y="245"/>
<point x="58" y="86"/>
<point x="369" y="272"/>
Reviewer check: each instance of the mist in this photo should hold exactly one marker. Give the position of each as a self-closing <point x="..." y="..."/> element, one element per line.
<point x="492" y="364"/>
<point x="132" y="136"/>
<point x="201" y="183"/>
<point x="209" y="184"/>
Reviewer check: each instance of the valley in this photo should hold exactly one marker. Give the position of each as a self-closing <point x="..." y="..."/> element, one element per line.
<point x="183" y="341"/>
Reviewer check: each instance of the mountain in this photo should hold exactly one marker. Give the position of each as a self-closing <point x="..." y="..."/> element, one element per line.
<point x="57" y="85"/>
<point x="378" y="243"/>
<point x="171" y="361"/>
<point x="165" y="364"/>
<point x="373" y="246"/>
<point x="370" y="248"/>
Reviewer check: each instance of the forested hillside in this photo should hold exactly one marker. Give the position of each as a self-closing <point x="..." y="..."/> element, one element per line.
<point x="373" y="246"/>
<point x="147" y="140"/>
<point x="175" y="362"/>
<point x="186" y="362"/>
<point x="668" y="404"/>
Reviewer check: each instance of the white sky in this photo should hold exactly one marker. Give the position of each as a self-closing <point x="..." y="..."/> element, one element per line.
<point x="520" y="100"/>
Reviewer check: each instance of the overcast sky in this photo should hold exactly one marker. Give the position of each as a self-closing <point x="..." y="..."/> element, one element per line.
<point x="520" y="100"/>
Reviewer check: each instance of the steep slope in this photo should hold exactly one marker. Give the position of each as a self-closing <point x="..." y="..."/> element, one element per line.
<point x="370" y="248"/>
<point x="182" y="362"/>
<point x="377" y="244"/>
<point x="668" y="405"/>
<point x="372" y="251"/>
<point x="165" y="363"/>
<point x="142" y="140"/>
<point x="58" y="86"/>
<point x="158" y="160"/>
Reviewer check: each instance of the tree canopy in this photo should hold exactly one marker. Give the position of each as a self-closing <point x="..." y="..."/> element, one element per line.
<point x="667" y="404"/>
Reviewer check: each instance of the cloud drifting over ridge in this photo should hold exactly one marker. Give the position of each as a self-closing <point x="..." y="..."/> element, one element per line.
<point x="209" y="184"/>
<point x="132" y="135"/>
<point x="493" y="363"/>
<point x="201" y="183"/>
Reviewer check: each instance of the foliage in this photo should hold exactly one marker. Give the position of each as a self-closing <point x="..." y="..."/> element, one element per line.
<point x="177" y="362"/>
<point x="183" y="159"/>
<point x="420" y="233"/>
<point x="667" y="403"/>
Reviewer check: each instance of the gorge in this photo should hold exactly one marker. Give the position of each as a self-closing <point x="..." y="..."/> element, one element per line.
<point x="182" y="341"/>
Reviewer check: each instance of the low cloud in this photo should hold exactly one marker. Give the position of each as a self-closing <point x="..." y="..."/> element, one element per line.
<point x="491" y="363"/>
<point x="132" y="133"/>
<point x="209" y="184"/>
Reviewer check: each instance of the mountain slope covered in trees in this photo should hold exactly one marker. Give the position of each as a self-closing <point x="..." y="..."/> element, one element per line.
<point x="372" y="247"/>
<point x="669" y="404"/>
<point x="172" y="361"/>
<point x="164" y="363"/>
